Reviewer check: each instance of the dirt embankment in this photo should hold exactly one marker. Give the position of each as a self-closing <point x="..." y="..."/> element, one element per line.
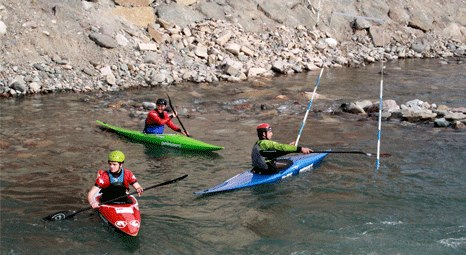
<point x="56" y="45"/>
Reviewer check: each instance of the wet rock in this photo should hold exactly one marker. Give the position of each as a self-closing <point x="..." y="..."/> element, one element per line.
<point x="279" y="66"/>
<point x="442" y="122"/>
<point x="442" y="108"/>
<point x="353" y="108"/>
<point x="415" y="105"/>
<point x="459" y="109"/>
<point x="414" y="111"/>
<point x="233" y="68"/>
<point x="452" y="116"/>
<point x="385" y="115"/>
<point x="148" y="105"/>
<point x="19" y="84"/>
<point x="365" y="105"/>
<point x="417" y="115"/>
<point x="390" y="105"/>
<point x="459" y="125"/>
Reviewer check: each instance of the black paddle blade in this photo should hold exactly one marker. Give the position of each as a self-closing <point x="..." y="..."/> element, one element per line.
<point x="60" y="216"/>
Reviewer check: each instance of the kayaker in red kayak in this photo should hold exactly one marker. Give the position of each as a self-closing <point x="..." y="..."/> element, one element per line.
<point x="265" y="151"/>
<point x="159" y="117"/>
<point x="114" y="182"/>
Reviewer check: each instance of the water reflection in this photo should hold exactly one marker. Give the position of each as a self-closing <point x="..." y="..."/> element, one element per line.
<point x="161" y="152"/>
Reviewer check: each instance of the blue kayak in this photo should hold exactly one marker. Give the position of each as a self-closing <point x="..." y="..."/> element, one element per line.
<point x="301" y="163"/>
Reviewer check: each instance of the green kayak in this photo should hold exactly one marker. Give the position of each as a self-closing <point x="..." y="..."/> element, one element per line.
<point x="170" y="140"/>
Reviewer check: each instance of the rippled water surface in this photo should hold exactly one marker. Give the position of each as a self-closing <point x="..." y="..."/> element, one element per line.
<point x="415" y="203"/>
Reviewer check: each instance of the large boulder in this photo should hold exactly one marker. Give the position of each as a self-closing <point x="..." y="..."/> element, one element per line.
<point x="179" y="14"/>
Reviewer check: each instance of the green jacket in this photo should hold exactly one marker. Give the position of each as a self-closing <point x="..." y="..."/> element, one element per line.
<point x="265" y="151"/>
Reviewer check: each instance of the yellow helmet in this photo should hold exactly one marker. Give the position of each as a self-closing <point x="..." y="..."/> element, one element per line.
<point x="116" y="156"/>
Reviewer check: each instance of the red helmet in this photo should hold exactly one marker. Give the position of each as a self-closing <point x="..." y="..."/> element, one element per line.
<point x="262" y="130"/>
<point x="264" y="127"/>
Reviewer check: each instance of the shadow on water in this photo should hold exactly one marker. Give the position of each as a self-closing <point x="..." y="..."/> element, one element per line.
<point x="157" y="151"/>
<point x="131" y="244"/>
<point x="256" y="191"/>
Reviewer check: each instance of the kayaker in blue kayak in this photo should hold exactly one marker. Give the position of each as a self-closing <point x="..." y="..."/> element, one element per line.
<point x="265" y="151"/>
<point x="113" y="183"/>
<point x="159" y="117"/>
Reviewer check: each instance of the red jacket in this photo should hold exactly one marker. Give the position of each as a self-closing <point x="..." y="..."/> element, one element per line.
<point x="103" y="181"/>
<point x="154" y="118"/>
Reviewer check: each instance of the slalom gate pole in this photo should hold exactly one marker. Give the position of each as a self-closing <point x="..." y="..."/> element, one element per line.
<point x="309" y="107"/>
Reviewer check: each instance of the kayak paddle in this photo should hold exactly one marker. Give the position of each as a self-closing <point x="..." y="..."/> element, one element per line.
<point x="355" y="152"/>
<point x="68" y="214"/>
<point x="181" y="123"/>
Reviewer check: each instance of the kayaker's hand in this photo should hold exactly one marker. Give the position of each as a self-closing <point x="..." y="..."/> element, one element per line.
<point x="140" y="190"/>
<point x="95" y="205"/>
<point x="306" y="150"/>
<point x="186" y="133"/>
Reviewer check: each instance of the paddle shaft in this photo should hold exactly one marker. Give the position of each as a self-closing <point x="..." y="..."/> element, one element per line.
<point x="308" y="108"/>
<point x="352" y="152"/>
<point x="148" y="188"/>
<point x="178" y="118"/>
<point x="62" y="215"/>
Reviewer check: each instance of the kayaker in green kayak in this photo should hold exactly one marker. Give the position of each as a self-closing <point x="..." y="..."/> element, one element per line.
<point x="265" y="151"/>
<point x="114" y="182"/>
<point x="159" y="117"/>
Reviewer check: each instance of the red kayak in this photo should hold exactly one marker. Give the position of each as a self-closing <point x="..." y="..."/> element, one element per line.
<point x="124" y="217"/>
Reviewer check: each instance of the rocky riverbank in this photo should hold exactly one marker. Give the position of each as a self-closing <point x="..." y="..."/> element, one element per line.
<point x="81" y="46"/>
<point x="414" y="111"/>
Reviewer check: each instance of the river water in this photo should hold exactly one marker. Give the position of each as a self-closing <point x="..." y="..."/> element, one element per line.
<point x="415" y="203"/>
